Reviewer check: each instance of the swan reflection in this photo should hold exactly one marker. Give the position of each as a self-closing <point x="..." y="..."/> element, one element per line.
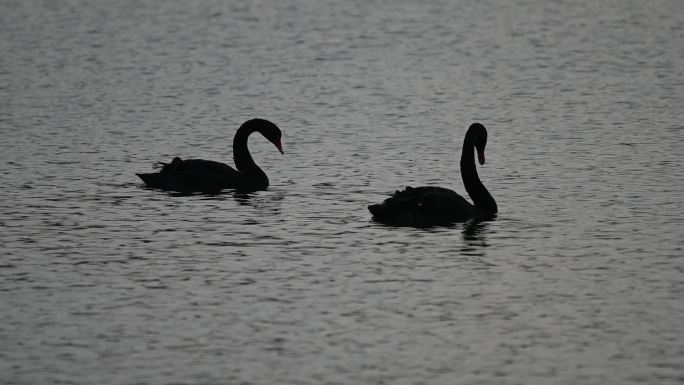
<point x="475" y="237"/>
<point x="266" y="203"/>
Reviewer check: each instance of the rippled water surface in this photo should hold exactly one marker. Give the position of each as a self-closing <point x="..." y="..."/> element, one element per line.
<point x="580" y="279"/>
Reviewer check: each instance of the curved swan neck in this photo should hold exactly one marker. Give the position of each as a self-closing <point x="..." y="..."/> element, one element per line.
<point x="482" y="199"/>
<point x="241" y="156"/>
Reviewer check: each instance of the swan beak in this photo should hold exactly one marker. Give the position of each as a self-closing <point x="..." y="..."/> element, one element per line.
<point x="279" y="146"/>
<point x="480" y="156"/>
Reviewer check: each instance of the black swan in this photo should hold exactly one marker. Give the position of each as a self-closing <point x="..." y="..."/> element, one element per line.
<point x="438" y="206"/>
<point x="208" y="176"/>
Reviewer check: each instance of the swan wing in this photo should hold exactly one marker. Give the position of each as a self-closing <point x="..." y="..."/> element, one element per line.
<point x="204" y="175"/>
<point x="422" y="206"/>
<point x="194" y="175"/>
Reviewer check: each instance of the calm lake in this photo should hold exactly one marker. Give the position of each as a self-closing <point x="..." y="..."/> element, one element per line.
<point x="579" y="280"/>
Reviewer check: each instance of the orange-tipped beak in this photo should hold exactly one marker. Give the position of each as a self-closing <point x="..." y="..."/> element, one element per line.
<point x="279" y="146"/>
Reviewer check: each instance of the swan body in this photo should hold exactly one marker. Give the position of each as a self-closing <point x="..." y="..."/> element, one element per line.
<point x="208" y="176"/>
<point x="437" y="206"/>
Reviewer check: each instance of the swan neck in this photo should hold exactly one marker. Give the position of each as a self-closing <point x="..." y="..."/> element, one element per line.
<point x="481" y="197"/>
<point x="242" y="157"/>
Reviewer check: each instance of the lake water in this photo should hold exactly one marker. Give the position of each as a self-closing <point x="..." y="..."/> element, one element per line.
<point x="580" y="279"/>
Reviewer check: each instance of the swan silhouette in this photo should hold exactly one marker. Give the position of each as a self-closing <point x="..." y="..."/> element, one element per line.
<point x="208" y="176"/>
<point x="437" y="206"/>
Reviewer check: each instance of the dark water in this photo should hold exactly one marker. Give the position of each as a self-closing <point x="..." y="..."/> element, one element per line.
<point x="579" y="280"/>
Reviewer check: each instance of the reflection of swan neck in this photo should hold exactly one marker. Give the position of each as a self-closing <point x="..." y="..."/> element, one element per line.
<point x="482" y="199"/>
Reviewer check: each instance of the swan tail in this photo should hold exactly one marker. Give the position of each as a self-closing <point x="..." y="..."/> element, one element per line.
<point x="400" y="209"/>
<point x="152" y="179"/>
<point x="394" y="215"/>
<point x="166" y="171"/>
<point x="378" y="210"/>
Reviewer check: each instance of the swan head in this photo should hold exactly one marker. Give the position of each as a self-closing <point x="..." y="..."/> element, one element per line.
<point x="480" y="137"/>
<point x="269" y="130"/>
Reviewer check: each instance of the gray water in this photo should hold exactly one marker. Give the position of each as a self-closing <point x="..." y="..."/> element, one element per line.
<point x="580" y="279"/>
